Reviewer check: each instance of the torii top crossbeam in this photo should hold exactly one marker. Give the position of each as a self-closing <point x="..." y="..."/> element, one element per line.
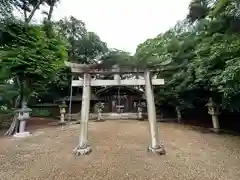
<point x="98" y="69"/>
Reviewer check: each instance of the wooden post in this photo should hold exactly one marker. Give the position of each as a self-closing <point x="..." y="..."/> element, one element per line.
<point x="83" y="148"/>
<point x="155" y="145"/>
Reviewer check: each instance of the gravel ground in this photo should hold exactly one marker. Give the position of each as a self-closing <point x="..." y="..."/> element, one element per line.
<point x="119" y="152"/>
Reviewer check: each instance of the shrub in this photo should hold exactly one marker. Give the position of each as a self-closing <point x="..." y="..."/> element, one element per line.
<point x="40" y="113"/>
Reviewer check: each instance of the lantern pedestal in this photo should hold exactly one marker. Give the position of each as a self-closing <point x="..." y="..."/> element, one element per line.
<point x="216" y="127"/>
<point x="139" y="113"/>
<point x="22" y="134"/>
<point x="62" y="120"/>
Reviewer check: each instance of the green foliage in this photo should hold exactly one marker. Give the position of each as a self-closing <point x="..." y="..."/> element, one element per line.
<point x="84" y="46"/>
<point x="5" y="8"/>
<point x="28" y="54"/>
<point x="40" y="112"/>
<point x="198" y="9"/>
<point x="115" y="56"/>
<point x="5" y="116"/>
<point x="199" y="60"/>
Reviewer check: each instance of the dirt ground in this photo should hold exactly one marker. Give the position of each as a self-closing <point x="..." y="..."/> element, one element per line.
<point x="119" y="152"/>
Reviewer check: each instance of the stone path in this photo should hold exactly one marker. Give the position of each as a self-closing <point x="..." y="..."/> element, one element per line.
<point x="119" y="152"/>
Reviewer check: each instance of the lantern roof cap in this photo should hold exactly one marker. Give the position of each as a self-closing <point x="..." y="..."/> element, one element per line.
<point x="211" y="103"/>
<point x="63" y="104"/>
<point x="24" y="109"/>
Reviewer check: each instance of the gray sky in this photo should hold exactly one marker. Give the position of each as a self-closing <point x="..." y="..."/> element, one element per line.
<point x="124" y="24"/>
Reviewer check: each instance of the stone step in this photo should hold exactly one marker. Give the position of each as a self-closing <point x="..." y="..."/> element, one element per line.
<point x="112" y="116"/>
<point x="93" y="116"/>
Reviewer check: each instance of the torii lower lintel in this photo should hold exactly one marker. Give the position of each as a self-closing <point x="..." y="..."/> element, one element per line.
<point x="127" y="82"/>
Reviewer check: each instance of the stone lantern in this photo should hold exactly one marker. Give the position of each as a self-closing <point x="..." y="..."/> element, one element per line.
<point x="213" y="110"/>
<point x="62" y="108"/>
<point x="22" y="117"/>
<point x="139" y="111"/>
<point x="100" y="107"/>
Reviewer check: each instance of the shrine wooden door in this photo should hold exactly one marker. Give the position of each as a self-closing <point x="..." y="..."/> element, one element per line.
<point x="119" y="104"/>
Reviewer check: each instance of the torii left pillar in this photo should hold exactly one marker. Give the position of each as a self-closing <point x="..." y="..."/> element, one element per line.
<point x="83" y="147"/>
<point x="155" y="146"/>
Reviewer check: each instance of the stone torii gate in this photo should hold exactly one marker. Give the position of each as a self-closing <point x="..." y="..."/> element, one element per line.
<point x="88" y="71"/>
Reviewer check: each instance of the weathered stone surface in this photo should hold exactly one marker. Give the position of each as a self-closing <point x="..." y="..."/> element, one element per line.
<point x="82" y="151"/>
<point x="21" y="134"/>
<point x="126" y="82"/>
<point x="83" y="138"/>
<point x="151" y="112"/>
<point x="160" y="150"/>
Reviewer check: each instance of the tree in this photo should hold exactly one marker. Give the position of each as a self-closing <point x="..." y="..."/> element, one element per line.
<point x="32" y="57"/>
<point x="51" y="4"/>
<point x="84" y="46"/>
<point x="199" y="57"/>
<point x="5" y="8"/>
<point x="198" y="9"/>
<point x="28" y="7"/>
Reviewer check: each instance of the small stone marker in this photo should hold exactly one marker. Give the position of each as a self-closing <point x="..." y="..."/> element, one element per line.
<point x="62" y="107"/>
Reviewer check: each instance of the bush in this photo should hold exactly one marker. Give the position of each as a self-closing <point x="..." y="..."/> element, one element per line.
<point x="40" y="113"/>
<point x="6" y="118"/>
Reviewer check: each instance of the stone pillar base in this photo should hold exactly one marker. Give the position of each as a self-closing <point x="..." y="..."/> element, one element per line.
<point x="21" y="135"/>
<point x="82" y="151"/>
<point x="62" y="123"/>
<point x="160" y="150"/>
<point x="215" y="130"/>
<point x="78" y="122"/>
<point x="100" y="120"/>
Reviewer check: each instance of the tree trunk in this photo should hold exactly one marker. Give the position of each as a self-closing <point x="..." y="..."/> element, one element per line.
<point x="14" y="124"/>
<point x="33" y="11"/>
<point x="25" y="11"/>
<point x="50" y="12"/>
<point x="20" y="101"/>
<point x="215" y="122"/>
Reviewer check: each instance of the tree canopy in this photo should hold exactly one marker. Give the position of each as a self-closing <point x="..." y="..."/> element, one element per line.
<point x="201" y="55"/>
<point x="32" y="55"/>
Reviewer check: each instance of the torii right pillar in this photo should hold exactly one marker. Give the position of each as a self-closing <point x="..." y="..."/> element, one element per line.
<point x="155" y="146"/>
